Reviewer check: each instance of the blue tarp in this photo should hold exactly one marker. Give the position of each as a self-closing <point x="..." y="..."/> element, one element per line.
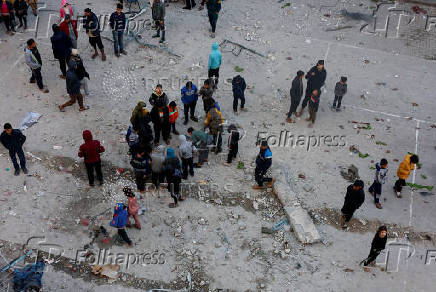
<point x="28" y="277"/>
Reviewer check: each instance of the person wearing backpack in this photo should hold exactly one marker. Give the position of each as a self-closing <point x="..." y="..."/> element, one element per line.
<point x="214" y="122"/>
<point x="119" y="221"/>
<point x="173" y="173"/>
<point x="141" y="167"/>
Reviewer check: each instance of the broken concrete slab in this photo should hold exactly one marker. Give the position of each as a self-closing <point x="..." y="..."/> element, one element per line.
<point x="301" y="223"/>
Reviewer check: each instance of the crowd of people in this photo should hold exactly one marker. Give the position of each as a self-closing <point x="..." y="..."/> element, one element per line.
<point x="161" y="163"/>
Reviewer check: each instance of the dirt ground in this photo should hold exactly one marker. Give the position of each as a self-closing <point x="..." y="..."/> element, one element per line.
<point x="221" y="236"/>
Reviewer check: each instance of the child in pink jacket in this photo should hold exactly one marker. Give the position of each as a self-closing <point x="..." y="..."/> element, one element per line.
<point x="132" y="207"/>
<point x="66" y="8"/>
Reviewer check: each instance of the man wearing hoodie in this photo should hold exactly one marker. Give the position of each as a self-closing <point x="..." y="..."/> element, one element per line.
<point x="185" y="152"/>
<point x="61" y="45"/>
<point x="73" y="88"/>
<point x="158" y="14"/>
<point x="353" y="200"/>
<point x="315" y="80"/>
<point x="238" y="87"/>
<point x="33" y="60"/>
<point x="189" y="98"/>
<point x="296" y="94"/>
<point x="13" y="140"/>
<point x="263" y="163"/>
<point x="403" y="172"/>
<point x="92" y="26"/>
<point x="215" y="59"/>
<point x="213" y="9"/>
<point x="173" y="174"/>
<point x="90" y="151"/>
<point x="117" y="23"/>
<point x="381" y="175"/>
<point x="160" y="116"/>
<point x="158" y="96"/>
<point x="157" y="162"/>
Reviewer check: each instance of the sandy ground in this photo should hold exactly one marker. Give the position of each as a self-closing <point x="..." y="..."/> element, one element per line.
<point x="215" y="235"/>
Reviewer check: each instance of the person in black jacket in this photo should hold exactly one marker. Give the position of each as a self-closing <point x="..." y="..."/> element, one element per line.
<point x="313" y="107"/>
<point x="92" y="26"/>
<point x="13" y="140"/>
<point x="263" y="163"/>
<point x="158" y="96"/>
<point x="315" y="80"/>
<point x="296" y="94"/>
<point x="173" y="174"/>
<point x="160" y="116"/>
<point x="73" y="88"/>
<point x="377" y="245"/>
<point x="20" y="7"/>
<point x="141" y="166"/>
<point x="117" y="23"/>
<point x="353" y="200"/>
<point x="238" y="87"/>
<point x="61" y="45"/>
<point x="80" y="71"/>
<point x="232" y="143"/>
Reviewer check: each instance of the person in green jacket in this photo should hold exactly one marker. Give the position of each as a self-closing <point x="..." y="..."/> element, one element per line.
<point x="200" y="140"/>
<point x="213" y="9"/>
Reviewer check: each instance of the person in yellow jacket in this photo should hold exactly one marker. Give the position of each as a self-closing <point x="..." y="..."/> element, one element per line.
<point x="403" y="172"/>
<point x="214" y="121"/>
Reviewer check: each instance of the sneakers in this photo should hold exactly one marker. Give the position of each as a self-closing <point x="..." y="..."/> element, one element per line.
<point x="156" y="35"/>
<point x="17" y="172"/>
<point x="44" y="90"/>
<point x="185" y="122"/>
<point x="212" y="35"/>
<point x="162" y="40"/>
<point x="124" y="52"/>
<point x="117" y="54"/>
<point x="398" y="194"/>
<point x="378" y="206"/>
<point x="176" y="132"/>
<point x="194" y="119"/>
<point x="25" y="171"/>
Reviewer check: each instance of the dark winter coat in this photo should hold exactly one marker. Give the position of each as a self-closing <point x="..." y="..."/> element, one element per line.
<point x="80" y="69"/>
<point x="296" y="89"/>
<point x="213" y="6"/>
<point x="91" y="24"/>
<point x="353" y="200"/>
<point x="238" y="86"/>
<point x="378" y="244"/>
<point x="340" y="89"/>
<point x="141" y="164"/>
<point x="91" y="149"/>
<point x="264" y="159"/>
<point x="158" y="11"/>
<point x="117" y="21"/>
<point x="156" y="100"/>
<point x="316" y="81"/>
<point x="61" y="45"/>
<point x="314" y="101"/>
<point x="156" y="117"/>
<point x="171" y="163"/>
<point x="14" y="141"/>
<point x="20" y="7"/>
<point x="72" y="80"/>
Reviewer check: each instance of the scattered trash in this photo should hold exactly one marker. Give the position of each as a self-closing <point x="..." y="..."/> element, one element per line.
<point x="33" y="156"/>
<point x="109" y="271"/>
<point x="381" y="83"/>
<point x="238" y="48"/>
<point x="423" y="176"/>
<point x="286" y="5"/>
<point x="302" y="176"/>
<point x="351" y="174"/>
<point x="120" y="170"/>
<point x="240" y="165"/>
<point x="419" y="187"/>
<point x="289" y="58"/>
<point x="84" y="222"/>
<point x="238" y="69"/>
<point x="7" y="169"/>
<point x="29" y="277"/>
<point x="29" y="120"/>
<point x="380" y="143"/>
<point x="362" y="125"/>
<point x="426" y="194"/>
<point x="348" y="270"/>
<point x="339" y="27"/>
<point x="267" y="230"/>
<point x="327" y="15"/>
<point x="415" y="104"/>
<point x="366" y="61"/>
<point x="362" y="155"/>
<point x="57" y="147"/>
<point x="279" y="225"/>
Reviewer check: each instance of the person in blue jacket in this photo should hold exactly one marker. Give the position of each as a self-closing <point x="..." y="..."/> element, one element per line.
<point x="119" y="221"/>
<point x="263" y="163"/>
<point x="189" y="99"/>
<point x="215" y="59"/>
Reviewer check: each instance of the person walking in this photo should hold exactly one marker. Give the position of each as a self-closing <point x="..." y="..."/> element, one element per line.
<point x="34" y="5"/>
<point x="20" y="8"/>
<point x="92" y="26"/>
<point x="132" y="207"/>
<point x="238" y="88"/>
<point x="80" y="70"/>
<point x="66" y="9"/>
<point x="7" y="12"/>
<point x="13" y="140"/>
<point x="381" y="175"/>
<point x="353" y="200"/>
<point x="69" y="27"/>
<point x="119" y="221"/>
<point x="213" y="9"/>
<point x="186" y="150"/>
<point x="263" y="163"/>
<point x="141" y="167"/>
<point x="90" y="151"/>
<point x="377" y="245"/>
<point x="340" y="91"/>
<point x="34" y="61"/>
<point x="315" y="80"/>
<point x="313" y="107"/>
<point x="61" y="45"/>
<point x="215" y="59"/>
<point x="296" y="93"/>
<point x="403" y="172"/>
<point x="158" y="14"/>
<point x="117" y="22"/>
<point x="73" y="88"/>
<point x="189" y="98"/>
<point x="173" y="173"/>
<point x="214" y="121"/>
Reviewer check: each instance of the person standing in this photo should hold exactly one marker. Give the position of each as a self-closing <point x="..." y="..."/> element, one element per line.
<point x="186" y="150"/>
<point x="173" y="173"/>
<point x="215" y="59"/>
<point x="158" y="96"/>
<point x="315" y="80"/>
<point x="160" y="116"/>
<point x="117" y="22"/>
<point x="232" y="143"/>
<point x="313" y="107"/>
<point x="213" y="9"/>
<point x="66" y="9"/>
<point x="90" y="151"/>
<point x="119" y="221"/>
<point x="340" y="91"/>
<point x="13" y="140"/>
<point x="61" y="45"/>
<point x="34" y="5"/>
<point x="33" y="60"/>
<point x="238" y="88"/>
<point x="189" y="98"/>
<point x="206" y="93"/>
<point x="80" y="71"/>
<point x="296" y="94"/>
<point x="69" y="27"/>
<point x="263" y="163"/>
<point x="132" y="207"/>
<point x="173" y="115"/>
<point x="381" y="175"/>
<point x="158" y="14"/>
<point x="92" y="27"/>
<point x="377" y="245"/>
<point x="141" y="167"/>
<point x="20" y="7"/>
<point x="353" y="200"/>
<point x="157" y="163"/>
<point x="140" y="120"/>
<point x="73" y="88"/>
<point x="214" y="121"/>
<point x="403" y="172"/>
<point x="190" y="4"/>
<point x="7" y="12"/>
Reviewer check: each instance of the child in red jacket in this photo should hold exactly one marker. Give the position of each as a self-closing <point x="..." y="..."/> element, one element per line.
<point x="90" y="150"/>
<point x="174" y="114"/>
<point x="132" y="207"/>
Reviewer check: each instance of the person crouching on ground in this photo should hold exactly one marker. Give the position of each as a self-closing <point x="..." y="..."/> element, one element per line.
<point x="90" y="150"/>
<point x="132" y="207"/>
<point x="263" y="163"/>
